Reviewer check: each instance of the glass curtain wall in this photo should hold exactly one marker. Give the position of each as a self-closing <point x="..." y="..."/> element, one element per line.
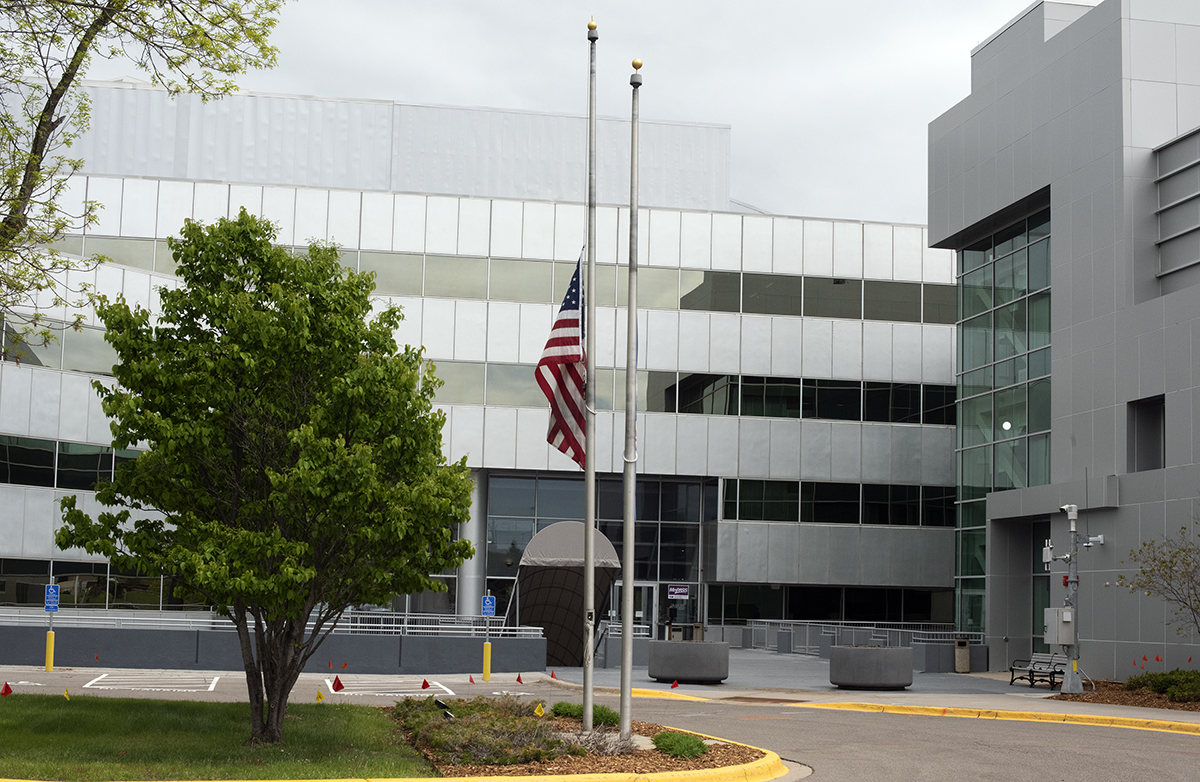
<point x="1003" y="386"/>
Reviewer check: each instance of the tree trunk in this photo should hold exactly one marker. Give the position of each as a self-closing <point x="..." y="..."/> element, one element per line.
<point x="254" y="679"/>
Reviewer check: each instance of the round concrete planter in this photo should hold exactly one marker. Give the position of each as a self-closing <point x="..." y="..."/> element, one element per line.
<point x="703" y="662"/>
<point x="871" y="667"/>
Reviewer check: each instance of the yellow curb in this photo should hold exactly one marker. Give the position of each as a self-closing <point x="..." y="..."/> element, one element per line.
<point x="639" y="692"/>
<point x="1163" y="726"/>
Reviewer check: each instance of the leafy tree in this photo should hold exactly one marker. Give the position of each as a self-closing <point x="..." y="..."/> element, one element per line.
<point x="293" y="464"/>
<point x="45" y="49"/>
<point x="1170" y="569"/>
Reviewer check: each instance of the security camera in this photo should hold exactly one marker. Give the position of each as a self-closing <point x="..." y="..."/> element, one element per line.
<point x="1068" y="508"/>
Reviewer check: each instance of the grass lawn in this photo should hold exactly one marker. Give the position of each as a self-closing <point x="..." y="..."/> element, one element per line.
<point x="89" y="738"/>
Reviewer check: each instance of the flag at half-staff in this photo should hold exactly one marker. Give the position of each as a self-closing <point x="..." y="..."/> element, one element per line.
<point x="562" y="371"/>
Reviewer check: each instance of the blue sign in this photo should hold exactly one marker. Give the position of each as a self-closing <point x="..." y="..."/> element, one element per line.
<point x="52" y="598"/>
<point x="489" y="605"/>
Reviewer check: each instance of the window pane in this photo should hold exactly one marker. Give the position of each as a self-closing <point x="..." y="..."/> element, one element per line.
<point x="972" y="514"/>
<point x="1039" y="265"/>
<point x="975" y="423"/>
<point x="937" y="506"/>
<point x="1039" y="460"/>
<point x="645" y="552"/>
<point x="730" y="509"/>
<point x="462" y="383"/>
<point x="605" y="389"/>
<point x="460" y="278"/>
<point x="1010" y="413"/>
<point x="83" y="466"/>
<point x="975" y="342"/>
<point x="29" y="350"/>
<point x="26" y="461"/>
<point x="560" y="498"/>
<point x="1010" y="239"/>
<point x="511" y="496"/>
<point x="941" y="304"/>
<point x="770" y="294"/>
<point x="646" y="500"/>
<point x="1039" y="321"/>
<point x="1039" y="405"/>
<point x="1011" y="277"/>
<point x="680" y="501"/>
<point x="523" y="281"/>
<point x="832" y="298"/>
<point x="127" y="252"/>
<point x="513" y="385"/>
<point x="975" y="256"/>
<point x="1039" y="225"/>
<point x="840" y="400"/>
<point x="781" y="500"/>
<point x="713" y="291"/>
<point x="679" y="552"/>
<point x="975" y="382"/>
<point x="977" y="292"/>
<point x="1039" y="363"/>
<point x="780" y="397"/>
<point x="1011" y="371"/>
<point x="975" y="472"/>
<point x="939" y="405"/>
<point x="829" y="503"/>
<point x="899" y="301"/>
<point x="610" y="499"/>
<point x="507" y="539"/>
<point x="971" y="552"/>
<point x="657" y="288"/>
<point x="394" y="273"/>
<point x="708" y="394"/>
<point x="1011" y="465"/>
<point x="898" y="403"/>
<point x="660" y="392"/>
<point x="606" y="285"/>
<point x="1010" y="330"/>
<point x="86" y="351"/>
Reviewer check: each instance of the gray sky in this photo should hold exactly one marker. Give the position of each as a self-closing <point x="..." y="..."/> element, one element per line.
<point x="828" y="99"/>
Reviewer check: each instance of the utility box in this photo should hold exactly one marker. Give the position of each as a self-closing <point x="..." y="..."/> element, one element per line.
<point x="1059" y="627"/>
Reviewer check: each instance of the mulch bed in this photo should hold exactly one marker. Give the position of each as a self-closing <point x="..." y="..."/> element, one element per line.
<point x="646" y="761"/>
<point x="1114" y="693"/>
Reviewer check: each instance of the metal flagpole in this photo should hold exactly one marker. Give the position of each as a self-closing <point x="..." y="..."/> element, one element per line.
<point x="630" y="426"/>
<point x="589" y="439"/>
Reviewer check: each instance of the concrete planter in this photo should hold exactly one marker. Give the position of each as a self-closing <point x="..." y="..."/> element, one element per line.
<point x="702" y="662"/>
<point x="871" y="667"/>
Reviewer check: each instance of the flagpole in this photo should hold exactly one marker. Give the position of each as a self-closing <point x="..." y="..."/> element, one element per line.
<point x="630" y="426"/>
<point x="589" y="447"/>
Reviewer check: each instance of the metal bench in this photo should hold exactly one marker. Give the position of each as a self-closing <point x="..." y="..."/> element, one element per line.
<point x="1048" y="668"/>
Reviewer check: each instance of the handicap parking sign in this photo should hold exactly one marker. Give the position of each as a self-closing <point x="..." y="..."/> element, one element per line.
<point x="489" y="605"/>
<point x="52" y="597"/>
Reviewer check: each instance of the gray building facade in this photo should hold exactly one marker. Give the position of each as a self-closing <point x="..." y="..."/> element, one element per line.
<point x="1066" y="183"/>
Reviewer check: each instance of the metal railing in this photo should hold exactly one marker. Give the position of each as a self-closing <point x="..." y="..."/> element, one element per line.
<point x="352" y="622"/>
<point x="806" y="636"/>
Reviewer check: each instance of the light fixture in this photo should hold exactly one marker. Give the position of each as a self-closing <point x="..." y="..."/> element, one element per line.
<point x="1006" y="426"/>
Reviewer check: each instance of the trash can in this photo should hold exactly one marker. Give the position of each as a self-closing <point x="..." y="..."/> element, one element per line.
<point x="962" y="654"/>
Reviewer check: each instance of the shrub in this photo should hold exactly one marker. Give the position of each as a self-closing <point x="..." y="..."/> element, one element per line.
<point x="680" y="745"/>
<point x="601" y="715"/>
<point x="1178" y="685"/>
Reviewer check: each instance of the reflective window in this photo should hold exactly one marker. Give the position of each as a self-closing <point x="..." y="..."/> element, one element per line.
<point x="937" y="506"/>
<point x="560" y="498"/>
<point x="394" y="273"/>
<point x="456" y="277"/>
<point x="883" y="504"/>
<point x="27" y="461"/>
<point x="127" y="252"/>
<point x="829" y="503"/>
<point x="975" y="342"/>
<point x="772" y="294"/>
<point x="751" y="500"/>
<point x="708" y="394"/>
<point x="1012" y="277"/>
<point x="511" y="496"/>
<point x="898" y="403"/>
<point x="462" y="383"/>
<point x="774" y="397"/>
<point x="976" y="291"/>
<point x="832" y="298"/>
<point x="83" y="466"/>
<point x="1039" y="405"/>
<point x="1010" y="412"/>
<point x="524" y="281"/>
<point x="712" y="291"/>
<point x="975" y="472"/>
<point x="1039" y="265"/>
<point x="86" y="350"/>
<point x="647" y="498"/>
<point x="29" y="349"/>
<point x="940" y="304"/>
<point x="657" y="288"/>
<point x="659" y="392"/>
<point x="898" y="301"/>
<point x="680" y="501"/>
<point x="507" y="539"/>
<point x="939" y="405"/>
<point x="840" y="400"/>
<point x="513" y="385"/>
<point x="679" y="552"/>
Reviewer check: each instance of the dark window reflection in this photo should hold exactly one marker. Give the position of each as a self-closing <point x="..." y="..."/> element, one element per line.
<point x="772" y="294"/>
<point x="26" y="461"/>
<point x="832" y="298"/>
<point x="708" y="394"/>
<point x="898" y="403"/>
<point x="896" y="301"/>
<point x="938" y="506"/>
<point x="83" y="466"/>
<point x="679" y="552"/>
<point x="840" y="400"/>
<point x="939" y="405"/>
<point x="829" y="503"/>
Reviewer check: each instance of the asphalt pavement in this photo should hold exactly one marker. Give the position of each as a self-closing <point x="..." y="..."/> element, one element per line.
<point x="945" y="726"/>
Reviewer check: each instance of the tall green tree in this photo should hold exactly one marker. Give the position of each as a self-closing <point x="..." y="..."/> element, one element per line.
<point x="45" y="49"/>
<point x="294" y="464"/>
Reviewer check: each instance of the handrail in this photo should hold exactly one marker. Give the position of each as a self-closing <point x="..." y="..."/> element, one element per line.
<point x="806" y="634"/>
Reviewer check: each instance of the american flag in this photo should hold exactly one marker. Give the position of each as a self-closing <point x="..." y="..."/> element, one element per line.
<point x="562" y="371"/>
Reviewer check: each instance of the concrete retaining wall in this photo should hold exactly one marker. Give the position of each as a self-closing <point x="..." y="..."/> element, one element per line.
<point x="219" y="651"/>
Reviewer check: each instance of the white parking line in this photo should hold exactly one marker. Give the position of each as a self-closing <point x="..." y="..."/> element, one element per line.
<point x="137" y="683"/>
<point x="387" y="687"/>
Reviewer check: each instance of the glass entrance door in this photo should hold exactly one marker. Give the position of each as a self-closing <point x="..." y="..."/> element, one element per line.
<point x="644" y="606"/>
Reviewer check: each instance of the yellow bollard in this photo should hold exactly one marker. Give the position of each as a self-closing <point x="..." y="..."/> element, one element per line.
<point x="49" y="651"/>
<point x="487" y="661"/>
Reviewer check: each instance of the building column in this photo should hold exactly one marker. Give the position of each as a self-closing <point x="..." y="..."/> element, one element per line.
<point x="472" y="574"/>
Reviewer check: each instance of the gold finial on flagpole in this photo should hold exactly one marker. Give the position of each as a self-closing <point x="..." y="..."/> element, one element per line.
<point x="637" y="64"/>
<point x="592" y="25"/>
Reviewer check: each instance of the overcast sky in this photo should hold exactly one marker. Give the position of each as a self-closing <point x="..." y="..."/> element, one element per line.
<point x="828" y="100"/>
